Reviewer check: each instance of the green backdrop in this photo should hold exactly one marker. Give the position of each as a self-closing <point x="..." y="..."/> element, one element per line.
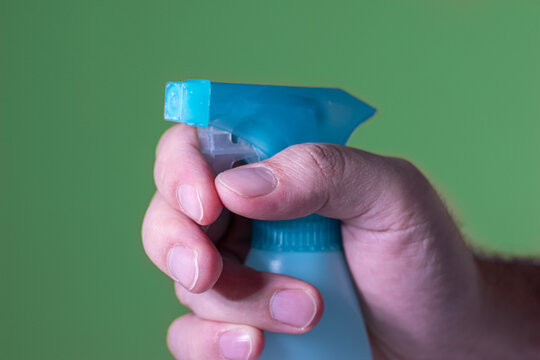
<point x="81" y="98"/>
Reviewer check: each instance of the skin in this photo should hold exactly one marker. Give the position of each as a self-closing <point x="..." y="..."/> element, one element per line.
<point x="424" y="294"/>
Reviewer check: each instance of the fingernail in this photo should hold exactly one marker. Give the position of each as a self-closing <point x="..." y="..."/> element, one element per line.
<point x="254" y="181"/>
<point x="293" y="307"/>
<point x="235" y="345"/>
<point x="190" y="201"/>
<point x="183" y="266"/>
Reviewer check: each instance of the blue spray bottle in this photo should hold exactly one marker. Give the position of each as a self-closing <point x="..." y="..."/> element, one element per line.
<point x="251" y="123"/>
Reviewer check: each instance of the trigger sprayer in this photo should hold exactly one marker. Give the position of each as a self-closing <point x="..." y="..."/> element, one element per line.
<point x="250" y="123"/>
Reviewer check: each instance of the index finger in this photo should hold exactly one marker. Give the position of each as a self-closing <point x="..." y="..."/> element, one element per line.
<point x="184" y="178"/>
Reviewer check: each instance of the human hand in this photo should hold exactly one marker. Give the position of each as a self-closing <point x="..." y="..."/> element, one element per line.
<point x="423" y="295"/>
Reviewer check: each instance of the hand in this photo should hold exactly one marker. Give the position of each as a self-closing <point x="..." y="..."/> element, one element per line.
<point x="424" y="295"/>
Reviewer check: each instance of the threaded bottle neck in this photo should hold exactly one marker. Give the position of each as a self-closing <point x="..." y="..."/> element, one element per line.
<point x="307" y="234"/>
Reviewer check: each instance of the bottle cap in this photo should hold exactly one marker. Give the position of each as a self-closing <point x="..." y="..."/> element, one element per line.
<point x="307" y="234"/>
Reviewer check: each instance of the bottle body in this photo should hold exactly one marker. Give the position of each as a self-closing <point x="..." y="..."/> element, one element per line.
<point x="341" y="333"/>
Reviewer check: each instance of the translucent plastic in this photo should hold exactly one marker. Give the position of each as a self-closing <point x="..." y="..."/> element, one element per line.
<point x="270" y="118"/>
<point x="223" y="150"/>
<point x="341" y="333"/>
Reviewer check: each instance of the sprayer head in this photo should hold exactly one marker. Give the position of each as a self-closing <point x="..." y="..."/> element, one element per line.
<point x="270" y="118"/>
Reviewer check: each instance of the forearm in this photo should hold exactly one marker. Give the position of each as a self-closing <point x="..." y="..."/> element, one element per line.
<point x="512" y="318"/>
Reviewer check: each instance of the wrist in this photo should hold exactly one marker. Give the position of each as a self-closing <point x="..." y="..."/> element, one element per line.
<point x="510" y="291"/>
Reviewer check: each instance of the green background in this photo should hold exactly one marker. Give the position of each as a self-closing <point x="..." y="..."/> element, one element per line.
<point x="456" y="84"/>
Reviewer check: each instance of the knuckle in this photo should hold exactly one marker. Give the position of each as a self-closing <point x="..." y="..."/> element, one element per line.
<point x="327" y="160"/>
<point x="158" y="236"/>
<point x="168" y="230"/>
<point x="410" y="176"/>
<point x="150" y="232"/>
<point x="160" y="174"/>
<point x="146" y="230"/>
<point x="410" y="183"/>
<point x="165" y="177"/>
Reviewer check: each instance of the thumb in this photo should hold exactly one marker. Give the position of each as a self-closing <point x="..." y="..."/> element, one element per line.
<point x="369" y="191"/>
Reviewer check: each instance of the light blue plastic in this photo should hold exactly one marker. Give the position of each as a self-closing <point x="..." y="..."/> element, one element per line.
<point x="188" y="102"/>
<point x="310" y="233"/>
<point x="341" y="333"/>
<point x="271" y="118"/>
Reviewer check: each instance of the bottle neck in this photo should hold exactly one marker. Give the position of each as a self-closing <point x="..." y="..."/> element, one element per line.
<point x="308" y="234"/>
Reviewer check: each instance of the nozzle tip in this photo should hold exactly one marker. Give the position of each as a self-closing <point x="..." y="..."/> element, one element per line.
<point x="172" y="101"/>
<point x="188" y="102"/>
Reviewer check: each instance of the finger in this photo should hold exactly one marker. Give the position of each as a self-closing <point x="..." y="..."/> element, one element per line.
<point x="179" y="247"/>
<point x="331" y="180"/>
<point x="267" y="301"/>
<point x="183" y="176"/>
<point x="192" y="338"/>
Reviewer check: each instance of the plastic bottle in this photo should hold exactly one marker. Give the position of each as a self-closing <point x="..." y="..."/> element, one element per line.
<point x="250" y="123"/>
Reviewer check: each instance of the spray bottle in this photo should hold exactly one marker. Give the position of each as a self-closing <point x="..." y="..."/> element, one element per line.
<point x="250" y="123"/>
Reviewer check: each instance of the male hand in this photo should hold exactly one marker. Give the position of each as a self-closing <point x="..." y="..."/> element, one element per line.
<point x="423" y="294"/>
